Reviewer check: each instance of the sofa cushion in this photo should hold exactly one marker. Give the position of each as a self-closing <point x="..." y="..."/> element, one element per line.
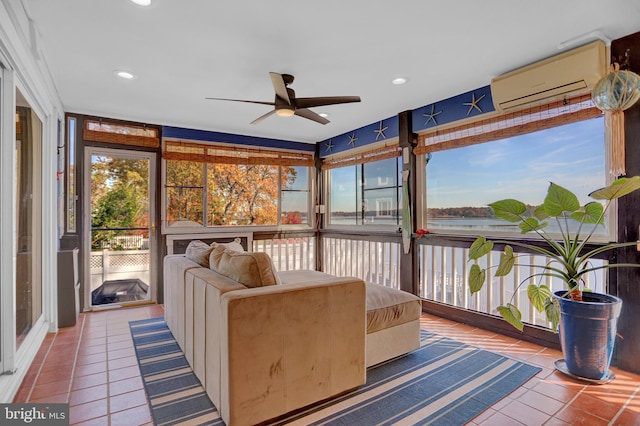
<point x="247" y="268"/>
<point x="388" y="307"/>
<point x="199" y="252"/>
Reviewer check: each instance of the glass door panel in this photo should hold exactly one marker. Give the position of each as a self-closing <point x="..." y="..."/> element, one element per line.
<point x="122" y="227"/>
<point x="28" y="216"/>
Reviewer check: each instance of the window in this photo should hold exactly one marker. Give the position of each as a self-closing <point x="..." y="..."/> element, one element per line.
<point x="216" y="185"/>
<point x="184" y="192"/>
<point x="242" y="194"/>
<point x="563" y="143"/>
<point x="365" y="189"/>
<point x="121" y="134"/>
<point x="71" y="174"/>
<point x="295" y="195"/>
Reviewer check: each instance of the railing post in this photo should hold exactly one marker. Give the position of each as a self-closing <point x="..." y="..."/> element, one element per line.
<point x="409" y="260"/>
<point x="105" y="264"/>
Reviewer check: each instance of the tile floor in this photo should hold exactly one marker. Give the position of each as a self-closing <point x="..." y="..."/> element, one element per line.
<point x="92" y="366"/>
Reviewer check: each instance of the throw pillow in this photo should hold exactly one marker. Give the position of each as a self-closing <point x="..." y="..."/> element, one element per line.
<point x="199" y="251"/>
<point x="233" y="245"/>
<point x="247" y="268"/>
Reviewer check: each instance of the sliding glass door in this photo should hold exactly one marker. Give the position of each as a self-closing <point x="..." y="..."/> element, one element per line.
<point x="28" y="218"/>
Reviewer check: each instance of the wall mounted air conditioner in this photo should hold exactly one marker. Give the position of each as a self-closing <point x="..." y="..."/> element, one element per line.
<point x="573" y="71"/>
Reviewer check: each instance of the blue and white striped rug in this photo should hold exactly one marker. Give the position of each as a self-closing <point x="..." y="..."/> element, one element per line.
<point x="444" y="382"/>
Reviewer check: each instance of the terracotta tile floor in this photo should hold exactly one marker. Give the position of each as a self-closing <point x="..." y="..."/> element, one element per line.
<point x="92" y="367"/>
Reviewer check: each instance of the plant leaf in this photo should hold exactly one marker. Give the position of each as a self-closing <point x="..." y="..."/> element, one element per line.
<point x="477" y="277"/>
<point x="479" y="248"/>
<point x="507" y="259"/>
<point x="512" y="315"/>
<point x="531" y="224"/>
<point x="617" y="189"/>
<point x="559" y="200"/>
<point x="591" y="213"/>
<point x="541" y="213"/>
<point x="509" y="209"/>
<point x="539" y="295"/>
<point x="552" y="309"/>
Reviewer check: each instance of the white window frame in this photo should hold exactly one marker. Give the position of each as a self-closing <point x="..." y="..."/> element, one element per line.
<point x="421" y="200"/>
<point x="326" y="178"/>
<point x="205" y="228"/>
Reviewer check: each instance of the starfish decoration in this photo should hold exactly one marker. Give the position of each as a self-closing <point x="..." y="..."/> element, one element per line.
<point x="352" y="140"/>
<point x="432" y="116"/>
<point x="380" y="131"/>
<point x="329" y="145"/>
<point x="474" y="103"/>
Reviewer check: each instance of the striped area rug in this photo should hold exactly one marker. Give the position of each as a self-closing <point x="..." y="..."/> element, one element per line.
<point x="444" y="382"/>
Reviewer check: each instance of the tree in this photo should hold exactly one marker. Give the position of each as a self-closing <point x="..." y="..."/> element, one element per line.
<point x="184" y="191"/>
<point x="242" y="194"/>
<point x="119" y="197"/>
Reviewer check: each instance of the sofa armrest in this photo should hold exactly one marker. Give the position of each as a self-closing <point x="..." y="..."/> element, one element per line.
<point x="284" y="347"/>
<point x="174" y="272"/>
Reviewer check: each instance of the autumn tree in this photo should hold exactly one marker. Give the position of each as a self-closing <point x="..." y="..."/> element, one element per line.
<point x="119" y="197"/>
<point x="237" y="194"/>
<point x="184" y="191"/>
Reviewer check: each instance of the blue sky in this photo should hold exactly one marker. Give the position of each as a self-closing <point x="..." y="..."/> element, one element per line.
<point x="571" y="156"/>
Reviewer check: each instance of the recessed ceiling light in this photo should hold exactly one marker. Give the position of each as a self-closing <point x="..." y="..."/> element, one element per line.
<point x="323" y="114"/>
<point x="142" y="2"/>
<point x="399" y="80"/>
<point x="124" y="74"/>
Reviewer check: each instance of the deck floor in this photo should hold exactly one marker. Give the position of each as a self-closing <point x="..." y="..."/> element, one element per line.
<point x="92" y="366"/>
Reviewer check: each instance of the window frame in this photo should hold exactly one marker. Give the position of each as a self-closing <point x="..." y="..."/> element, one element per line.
<point x="71" y="190"/>
<point x="166" y="229"/>
<point x="422" y="152"/>
<point x="359" y="159"/>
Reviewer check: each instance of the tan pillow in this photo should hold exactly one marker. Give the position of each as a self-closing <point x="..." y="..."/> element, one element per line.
<point x="247" y="268"/>
<point x="199" y="251"/>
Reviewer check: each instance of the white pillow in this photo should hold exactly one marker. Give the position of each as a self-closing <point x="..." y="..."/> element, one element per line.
<point x="233" y="245"/>
<point x="199" y="251"/>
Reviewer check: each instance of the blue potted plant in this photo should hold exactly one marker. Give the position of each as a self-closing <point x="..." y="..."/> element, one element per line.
<point x="586" y="321"/>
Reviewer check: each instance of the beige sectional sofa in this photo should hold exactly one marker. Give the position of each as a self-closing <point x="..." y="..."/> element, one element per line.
<point x="264" y="351"/>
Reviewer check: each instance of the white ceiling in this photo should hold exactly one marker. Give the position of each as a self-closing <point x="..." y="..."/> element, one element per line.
<point x="182" y="51"/>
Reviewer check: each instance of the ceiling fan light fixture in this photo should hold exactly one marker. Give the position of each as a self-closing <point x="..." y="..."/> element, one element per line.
<point x="124" y="74"/>
<point x="141" y="2"/>
<point x="285" y="112"/>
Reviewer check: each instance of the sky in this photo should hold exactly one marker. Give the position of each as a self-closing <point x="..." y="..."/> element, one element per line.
<point x="571" y="156"/>
<point x="522" y="167"/>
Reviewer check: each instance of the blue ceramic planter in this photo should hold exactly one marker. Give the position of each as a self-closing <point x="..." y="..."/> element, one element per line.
<point x="587" y="333"/>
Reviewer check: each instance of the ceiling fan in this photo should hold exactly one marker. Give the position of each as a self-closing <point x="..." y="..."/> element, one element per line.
<point x="286" y="104"/>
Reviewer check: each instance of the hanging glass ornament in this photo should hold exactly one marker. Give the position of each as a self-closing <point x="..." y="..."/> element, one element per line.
<point x="614" y="93"/>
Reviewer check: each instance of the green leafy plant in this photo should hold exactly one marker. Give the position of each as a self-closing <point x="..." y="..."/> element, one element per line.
<point x="569" y="258"/>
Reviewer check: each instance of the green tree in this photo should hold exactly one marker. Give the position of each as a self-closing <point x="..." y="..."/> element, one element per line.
<point x="119" y="197"/>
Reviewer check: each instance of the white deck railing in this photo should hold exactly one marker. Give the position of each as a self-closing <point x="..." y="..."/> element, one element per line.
<point x="118" y="264"/>
<point x="291" y="253"/>
<point x="444" y="278"/>
<point x="371" y="261"/>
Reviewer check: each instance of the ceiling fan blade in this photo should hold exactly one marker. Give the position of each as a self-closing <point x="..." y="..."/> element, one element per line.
<point x="241" y="100"/>
<point x="262" y="117"/>
<point x="325" y="100"/>
<point x="307" y="113"/>
<point x="279" y="86"/>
